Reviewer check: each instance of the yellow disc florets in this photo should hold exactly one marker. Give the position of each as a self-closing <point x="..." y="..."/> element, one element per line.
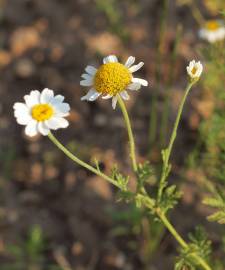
<point x="42" y="112"/>
<point x="194" y="70"/>
<point x="112" y="78"/>
<point x="212" y="25"/>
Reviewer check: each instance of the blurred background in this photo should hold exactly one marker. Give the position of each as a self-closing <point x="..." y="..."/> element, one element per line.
<point x="53" y="213"/>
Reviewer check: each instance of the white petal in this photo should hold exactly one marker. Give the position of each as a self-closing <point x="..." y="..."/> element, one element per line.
<point x="31" y="128"/>
<point x="24" y="120"/>
<point x="114" y="101"/>
<point x="110" y="59"/>
<point x="88" y="82"/>
<point x="56" y="100"/>
<point x="124" y="95"/>
<point x="20" y="109"/>
<point x="134" y="86"/>
<point x="130" y="61"/>
<point x="61" y="109"/>
<point x="91" y="70"/>
<point x="86" y="76"/>
<point x="57" y="122"/>
<point x="107" y="97"/>
<point x="20" y="106"/>
<point x="91" y="95"/>
<point x="46" y="95"/>
<point x="59" y="98"/>
<point x="33" y="98"/>
<point x="43" y="129"/>
<point x="140" y="81"/>
<point x="136" y="67"/>
<point x="22" y="114"/>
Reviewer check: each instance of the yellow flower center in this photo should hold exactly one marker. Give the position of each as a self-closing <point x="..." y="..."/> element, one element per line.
<point x="112" y="78"/>
<point x="194" y="70"/>
<point x="42" y="112"/>
<point x="212" y="25"/>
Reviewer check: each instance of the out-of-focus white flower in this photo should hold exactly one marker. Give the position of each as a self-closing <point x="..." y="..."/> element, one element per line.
<point x="112" y="79"/>
<point x="41" y="112"/>
<point x="194" y="69"/>
<point x="213" y="30"/>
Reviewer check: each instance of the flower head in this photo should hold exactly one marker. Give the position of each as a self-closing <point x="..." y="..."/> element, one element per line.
<point x="112" y="79"/>
<point x="41" y="112"/>
<point x="194" y="69"/>
<point x="213" y="30"/>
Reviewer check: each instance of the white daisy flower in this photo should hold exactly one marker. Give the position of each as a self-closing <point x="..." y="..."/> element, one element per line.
<point x="194" y="69"/>
<point x="41" y="112"/>
<point x="214" y="30"/>
<point x="112" y="79"/>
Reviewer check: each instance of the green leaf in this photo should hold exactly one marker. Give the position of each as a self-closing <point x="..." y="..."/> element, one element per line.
<point x="142" y="200"/>
<point x="144" y="172"/>
<point x="120" y="179"/>
<point x="217" y="202"/>
<point x="199" y="245"/>
<point x="169" y="198"/>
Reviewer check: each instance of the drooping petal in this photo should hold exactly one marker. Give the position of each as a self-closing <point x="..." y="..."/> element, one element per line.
<point x="136" y="67"/>
<point x="124" y="95"/>
<point x="31" y="128"/>
<point x="110" y="59"/>
<point x="57" y="122"/>
<point x="33" y="98"/>
<point x="140" y="81"/>
<point x="46" y="96"/>
<point x="43" y="129"/>
<point x="114" y="102"/>
<point x="91" y="95"/>
<point x="87" y="82"/>
<point x="130" y="61"/>
<point x="86" y="76"/>
<point x="134" y="86"/>
<point x="91" y="70"/>
<point x="107" y="97"/>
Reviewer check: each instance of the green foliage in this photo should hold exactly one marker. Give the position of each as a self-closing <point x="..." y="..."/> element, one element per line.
<point x="217" y="202"/>
<point x="120" y="179"/>
<point x="169" y="198"/>
<point x="123" y="193"/>
<point x="199" y="245"/>
<point x="145" y="173"/>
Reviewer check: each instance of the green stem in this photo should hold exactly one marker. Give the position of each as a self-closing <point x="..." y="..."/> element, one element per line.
<point x="163" y="218"/>
<point x="180" y="240"/>
<point x="172" y="139"/>
<point x="79" y="161"/>
<point x="130" y="133"/>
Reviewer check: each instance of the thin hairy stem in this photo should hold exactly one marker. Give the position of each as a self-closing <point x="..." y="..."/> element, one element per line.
<point x="171" y="142"/>
<point x="180" y="240"/>
<point x="79" y="161"/>
<point x="130" y="133"/>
